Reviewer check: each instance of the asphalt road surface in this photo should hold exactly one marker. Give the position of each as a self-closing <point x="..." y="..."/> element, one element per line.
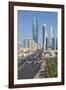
<point x="21" y="63"/>
<point x="28" y="71"/>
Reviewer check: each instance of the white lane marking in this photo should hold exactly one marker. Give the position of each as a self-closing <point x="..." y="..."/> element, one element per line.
<point x="21" y="66"/>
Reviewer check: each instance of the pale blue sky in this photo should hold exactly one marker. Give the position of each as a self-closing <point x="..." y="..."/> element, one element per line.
<point x="25" y="23"/>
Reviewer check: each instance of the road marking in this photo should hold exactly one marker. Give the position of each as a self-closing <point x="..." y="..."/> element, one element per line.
<point x="21" y="66"/>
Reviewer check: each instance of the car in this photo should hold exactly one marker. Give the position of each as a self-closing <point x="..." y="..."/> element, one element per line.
<point x="29" y="62"/>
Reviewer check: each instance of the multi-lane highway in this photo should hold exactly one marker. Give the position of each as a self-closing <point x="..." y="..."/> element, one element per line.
<point x="29" y="67"/>
<point x="28" y="71"/>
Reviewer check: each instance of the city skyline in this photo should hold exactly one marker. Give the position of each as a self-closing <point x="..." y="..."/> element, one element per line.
<point x="38" y="44"/>
<point x="25" y="23"/>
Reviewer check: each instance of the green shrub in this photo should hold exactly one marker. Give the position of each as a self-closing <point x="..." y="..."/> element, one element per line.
<point x="51" y="67"/>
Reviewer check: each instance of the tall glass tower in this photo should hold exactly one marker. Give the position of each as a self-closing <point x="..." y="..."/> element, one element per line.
<point x="53" y="39"/>
<point x="43" y="37"/>
<point x="35" y="30"/>
<point x="56" y="44"/>
<point x="47" y="43"/>
<point x="53" y="43"/>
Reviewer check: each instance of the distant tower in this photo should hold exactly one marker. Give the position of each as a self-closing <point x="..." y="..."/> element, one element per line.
<point x="51" y="36"/>
<point x="23" y="43"/>
<point x="56" y="44"/>
<point x="47" y="43"/>
<point x="46" y="39"/>
<point x="43" y="37"/>
<point x="35" y="30"/>
<point x="53" y="43"/>
<point x="28" y="42"/>
<point x="53" y="39"/>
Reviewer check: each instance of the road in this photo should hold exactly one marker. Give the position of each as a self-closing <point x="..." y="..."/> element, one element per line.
<point x="21" y="62"/>
<point x="28" y="71"/>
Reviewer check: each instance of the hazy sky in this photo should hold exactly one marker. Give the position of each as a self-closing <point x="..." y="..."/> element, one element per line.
<point x="25" y="23"/>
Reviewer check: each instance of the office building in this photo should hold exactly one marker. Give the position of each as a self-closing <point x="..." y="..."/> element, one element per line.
<point x="53" y="43"/>
<point x="33" y="45"/>
<point x="35" y="30"/>
<point x="56" y="44"/>
<point x="26" y="43"/>
<point x="43" y="37"/>
<point x="19" y="46"/>
<point x="47" y="43"/>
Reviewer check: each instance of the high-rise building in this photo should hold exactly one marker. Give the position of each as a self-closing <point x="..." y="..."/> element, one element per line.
<point x="43" y="37"/>
<point x="23" y="43"/>
<point x="26" y="43"/>
<point x="56" y="44"/>
<point x="35" y="30"/>
<point x="19" y="46"/>
<point x="53" y="43"/>
<point x="51" y="36"/>
<point x="47" y="43"/>
<point x="52" y="39"/>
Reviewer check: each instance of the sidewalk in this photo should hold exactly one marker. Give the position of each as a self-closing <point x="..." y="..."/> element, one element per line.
<point x="41" y="68"/>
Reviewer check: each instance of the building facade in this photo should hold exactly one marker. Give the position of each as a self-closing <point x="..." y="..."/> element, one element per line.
<point x="47" y="43"/>
<point x="43" y="37"/>
<point x="35" y="30"/>
<point x="53" y="43"/>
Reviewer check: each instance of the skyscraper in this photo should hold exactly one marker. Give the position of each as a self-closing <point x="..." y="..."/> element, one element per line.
<point x="53" y="43"/>
<point x="47" y="43"/>
<point x="56" y="44"/>
<point x="43" y="37"/>
<point x="53" y="39"/>
<point x="35" y="30"/>
<point x="51" y="36"/>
